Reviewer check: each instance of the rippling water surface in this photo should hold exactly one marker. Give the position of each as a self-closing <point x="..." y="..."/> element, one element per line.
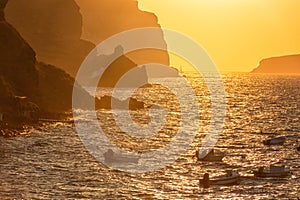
<point x="51" y="161"/>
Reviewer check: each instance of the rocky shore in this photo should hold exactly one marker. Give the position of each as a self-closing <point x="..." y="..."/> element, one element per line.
<point x="38" y="54"/>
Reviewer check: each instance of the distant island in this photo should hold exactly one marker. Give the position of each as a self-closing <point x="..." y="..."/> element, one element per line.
<point x="282" y="64"/>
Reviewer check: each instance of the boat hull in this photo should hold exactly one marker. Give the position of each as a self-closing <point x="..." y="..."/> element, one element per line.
<point x="121" y="160"/>
<point x="271" y="174"/>
<point x="233" y="179"/>
<point x="275" y="141"/>
<point x="112" y="157"/>
<point x="226" y="180"/>
<point x="214" y="158"/>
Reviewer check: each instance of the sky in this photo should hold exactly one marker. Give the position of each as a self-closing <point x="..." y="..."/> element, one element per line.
<point x="236" y="34"/>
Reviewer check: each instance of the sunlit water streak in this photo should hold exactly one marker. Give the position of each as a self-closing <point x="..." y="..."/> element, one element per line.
<point x="51" y="162"/>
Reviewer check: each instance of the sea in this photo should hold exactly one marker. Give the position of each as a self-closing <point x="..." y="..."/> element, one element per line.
<point x="51" y="161"/>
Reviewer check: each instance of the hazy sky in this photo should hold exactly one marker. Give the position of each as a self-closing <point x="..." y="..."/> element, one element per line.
<point x="237" y="34"/>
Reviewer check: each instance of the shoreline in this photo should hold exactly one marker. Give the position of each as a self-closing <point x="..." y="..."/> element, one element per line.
<point x="13" y="128"/>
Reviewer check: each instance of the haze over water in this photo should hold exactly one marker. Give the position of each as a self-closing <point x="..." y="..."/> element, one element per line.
<point x="52" y="162"/>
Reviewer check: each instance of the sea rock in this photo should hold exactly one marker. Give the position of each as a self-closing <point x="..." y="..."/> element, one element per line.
<point x="105" y="103"/>
<point x="282" y="64"/>
<point x="107" y="70"/>
<point x="57" y="97"/>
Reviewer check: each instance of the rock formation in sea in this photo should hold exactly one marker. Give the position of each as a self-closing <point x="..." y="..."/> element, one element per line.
<point x="281" y="64"/>
<point x="120" y="65"/>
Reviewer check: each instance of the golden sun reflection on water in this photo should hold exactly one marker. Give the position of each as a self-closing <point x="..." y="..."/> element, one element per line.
<point x="53" y="162"/>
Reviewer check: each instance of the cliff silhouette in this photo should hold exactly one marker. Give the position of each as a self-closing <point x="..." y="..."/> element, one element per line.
<point x="53" y="28"/>
<point x="29" y="89"/>
<point x="114" y="72"/>
<point x="281" y="64"/>
<point x="102" y="19"/>
<point x="18" y="75"/>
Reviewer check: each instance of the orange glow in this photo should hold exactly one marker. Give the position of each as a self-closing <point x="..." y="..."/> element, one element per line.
<point x="237" y="34"/>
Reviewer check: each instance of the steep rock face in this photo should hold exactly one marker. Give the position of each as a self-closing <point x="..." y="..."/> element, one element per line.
<point x="2" y="6"/>
<point x="112" y="67"/>
<point x="17" y="60"/>
<point x="102" y="19"/>
<point x="18" y="75"/>
<point x="27" y="86"/>
<point x="55" y="90"/>
<point x="282" y="64"/>
<point x="53" y="28"/>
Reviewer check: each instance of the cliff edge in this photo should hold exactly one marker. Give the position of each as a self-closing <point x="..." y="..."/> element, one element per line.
<point x="53" y="29"/>
<point x="283" y="64"/>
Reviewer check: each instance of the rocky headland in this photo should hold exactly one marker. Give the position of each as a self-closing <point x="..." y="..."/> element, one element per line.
<point x="31" y="89"/>
<point x="289" y="64"/>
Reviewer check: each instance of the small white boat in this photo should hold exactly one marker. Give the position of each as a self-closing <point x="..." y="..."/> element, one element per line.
<point x="272" y="171"/>
<point x="211" y="156"/>
<point x="275" y="141"/>
<point x="111" y="157"/>
<point x="230" y="178"/>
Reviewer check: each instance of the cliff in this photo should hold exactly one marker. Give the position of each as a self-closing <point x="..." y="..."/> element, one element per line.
<point x="27" y="87"/>
<point x="114" y="72"/>
<point x="105" y="18"/>
<point x="57" y="97"/>
<point x="30" y="89"/>
<point x="53" y="28"/>
<point x="282" y="64"/>
<point x="18" y="75"/>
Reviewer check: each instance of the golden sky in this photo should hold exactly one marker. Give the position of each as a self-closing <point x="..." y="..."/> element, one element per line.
<point x="237" y="34"/>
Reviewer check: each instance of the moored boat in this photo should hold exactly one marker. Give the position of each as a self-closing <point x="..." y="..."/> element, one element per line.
<point x="272" y="171"/>
<point x="111" y="157"/>
<point x="211" y="156"/>
<point x="230" y="178"/>
<point x="275" y="141"/>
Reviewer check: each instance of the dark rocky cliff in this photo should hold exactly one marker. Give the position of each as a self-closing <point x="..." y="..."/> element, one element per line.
<point x="53" y="28"/>
<point x="26" y="86"/>
<point x="282" y="64"/>
<point x="18" y="75"/>
<point x="30" y="89"/>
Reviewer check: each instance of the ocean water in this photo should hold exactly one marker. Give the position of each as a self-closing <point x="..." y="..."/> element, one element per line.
<point x="51" y="162"/>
